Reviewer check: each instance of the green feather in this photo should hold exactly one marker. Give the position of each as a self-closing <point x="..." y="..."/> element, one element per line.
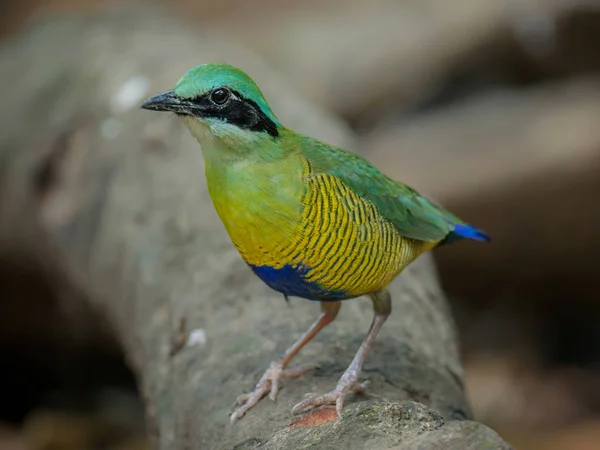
<point x="206" y="77"/>
<point x="412" y="214"/>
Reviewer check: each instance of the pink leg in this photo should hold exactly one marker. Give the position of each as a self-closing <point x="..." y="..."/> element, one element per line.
<point x="269" y="382"/>
<point x="382" y="307"/>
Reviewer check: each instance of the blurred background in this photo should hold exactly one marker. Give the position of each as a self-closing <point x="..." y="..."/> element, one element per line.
<point x="492" y="107"/>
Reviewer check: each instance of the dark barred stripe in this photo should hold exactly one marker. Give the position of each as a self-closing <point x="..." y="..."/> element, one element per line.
<point x="381" y="258"/>
<point x="358" y="274"/>
<point x="371" y="258"/>
<point x="342" y="237"/>
<point x="364" y="271"/>
<point x="349" y="265"/>
<point x="337" y="274"/>
<point x="320" y="267"/>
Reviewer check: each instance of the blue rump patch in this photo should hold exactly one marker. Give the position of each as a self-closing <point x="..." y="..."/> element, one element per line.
<point x="290" y="280"/>
<point x="462" y="231"/>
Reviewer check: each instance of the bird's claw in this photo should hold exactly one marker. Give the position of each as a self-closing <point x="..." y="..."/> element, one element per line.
<point x="268" y="383"/>
<point x="335" y="397"/>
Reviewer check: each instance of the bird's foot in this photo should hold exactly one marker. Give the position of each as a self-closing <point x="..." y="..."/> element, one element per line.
<point x="348" y="383"/>
<point x="268" y="384"/>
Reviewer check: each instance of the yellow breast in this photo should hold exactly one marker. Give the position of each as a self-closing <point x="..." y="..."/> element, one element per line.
<point x="287" y="217"/>
<point x="344" y="242"/>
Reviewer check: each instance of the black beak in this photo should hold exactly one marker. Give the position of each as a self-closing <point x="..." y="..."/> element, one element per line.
<point x="167" y="101"/>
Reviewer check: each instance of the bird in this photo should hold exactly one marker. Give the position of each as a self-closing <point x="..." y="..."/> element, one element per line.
<point x="311" y="220"/>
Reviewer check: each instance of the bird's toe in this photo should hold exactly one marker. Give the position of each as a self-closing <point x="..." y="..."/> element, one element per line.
<point x="269" y="384"/>
<point x="315" y="400"/>
<point x="335" y="397"/>
<point x="242" y="398"/>
<point x="274" y="389"/>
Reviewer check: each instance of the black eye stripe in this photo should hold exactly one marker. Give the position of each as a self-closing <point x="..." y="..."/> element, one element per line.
<point x="237" y="110"/>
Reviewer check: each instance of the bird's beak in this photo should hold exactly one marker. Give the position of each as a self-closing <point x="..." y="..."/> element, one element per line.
<point x="167" y="101"/>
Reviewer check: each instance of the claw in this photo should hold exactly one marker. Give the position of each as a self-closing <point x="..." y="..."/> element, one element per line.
<point x="360" y="388"/>
<point x="339" y="405"/>
<point x="242" y="398"/>
<point x="274" y="389"/>
<point x="249" y="400"/>
<point x="268" y="384"/>
<point x="335" y="397"/>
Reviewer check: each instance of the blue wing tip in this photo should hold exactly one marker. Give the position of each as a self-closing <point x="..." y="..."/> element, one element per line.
<point x="469" y="232"/>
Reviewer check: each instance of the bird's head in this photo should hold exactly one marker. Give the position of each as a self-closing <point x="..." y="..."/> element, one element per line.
<point x="219" y="103"/>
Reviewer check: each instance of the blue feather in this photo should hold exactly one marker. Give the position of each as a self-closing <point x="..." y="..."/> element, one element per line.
<point x="464" y="231"/>
<point x="291" y="281"/>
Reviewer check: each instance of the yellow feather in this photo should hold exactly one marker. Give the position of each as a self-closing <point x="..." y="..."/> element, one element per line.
<point x="323" y="225"/>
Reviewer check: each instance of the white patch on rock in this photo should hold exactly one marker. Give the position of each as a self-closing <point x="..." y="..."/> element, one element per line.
<point x="196" y="337"/>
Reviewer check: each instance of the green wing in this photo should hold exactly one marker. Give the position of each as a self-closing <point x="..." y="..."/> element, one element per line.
<point x="413" y="215"/>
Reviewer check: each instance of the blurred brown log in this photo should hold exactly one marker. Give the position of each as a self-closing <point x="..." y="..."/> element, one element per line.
<point x="369" y="61"/>
<point x="110" y="202"/>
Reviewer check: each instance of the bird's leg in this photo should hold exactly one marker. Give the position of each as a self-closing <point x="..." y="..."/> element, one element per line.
<point x="270" y="380"/>
<point x="382" y="306"/>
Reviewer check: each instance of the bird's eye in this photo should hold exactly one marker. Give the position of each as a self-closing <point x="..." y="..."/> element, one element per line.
<point x="220" y="96"/>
